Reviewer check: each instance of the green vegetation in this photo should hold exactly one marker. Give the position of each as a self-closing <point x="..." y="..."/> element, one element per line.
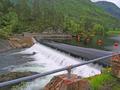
<point x="110" y="8"/>
<point x="114" y="32"/>
<point x="70" y="16"/>
<point x="104" y="81"/>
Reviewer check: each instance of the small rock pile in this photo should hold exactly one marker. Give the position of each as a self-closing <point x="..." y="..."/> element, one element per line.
<point x="116" y="65"/>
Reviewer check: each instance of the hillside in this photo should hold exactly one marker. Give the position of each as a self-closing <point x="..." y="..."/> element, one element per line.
<point x="79" y="9"/>
<point x="110" y="8"/>
<point x="73" y="16"/>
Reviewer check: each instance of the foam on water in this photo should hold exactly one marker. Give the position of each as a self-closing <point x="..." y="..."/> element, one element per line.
<point x="47" y="59"/>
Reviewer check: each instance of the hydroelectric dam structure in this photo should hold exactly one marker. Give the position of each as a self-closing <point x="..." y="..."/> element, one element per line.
<point x="89" y="55"/>
<point x="85" y="53"/>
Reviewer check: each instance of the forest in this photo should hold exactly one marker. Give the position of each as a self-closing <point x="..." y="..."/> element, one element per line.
<point x="68" y="16"/>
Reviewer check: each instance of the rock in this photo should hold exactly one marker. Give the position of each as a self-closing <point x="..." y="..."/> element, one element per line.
<point x="34" y="53"/>
<point x="116" y="65"/>
<point x="21" y="42"/>
<point x="62" y="83"/>
<point x="4" y="45"/>
<point x="14" y="75"/>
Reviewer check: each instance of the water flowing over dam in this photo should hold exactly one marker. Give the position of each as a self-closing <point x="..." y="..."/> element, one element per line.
<point x="47" y="59"/>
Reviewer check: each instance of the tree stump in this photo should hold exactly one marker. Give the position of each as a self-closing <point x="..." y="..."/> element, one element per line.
<point x="62" y="83"/>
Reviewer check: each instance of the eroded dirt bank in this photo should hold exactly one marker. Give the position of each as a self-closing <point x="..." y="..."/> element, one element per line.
<point x="15" y="42"/>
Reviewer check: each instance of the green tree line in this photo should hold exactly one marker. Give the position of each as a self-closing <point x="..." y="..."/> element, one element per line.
<point x="70" y="16"/>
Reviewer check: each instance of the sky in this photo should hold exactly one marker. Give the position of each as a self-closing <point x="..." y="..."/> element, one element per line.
<point x="117" y="2"/>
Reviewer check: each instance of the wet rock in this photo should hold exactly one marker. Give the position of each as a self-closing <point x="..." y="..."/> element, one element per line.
<point x="14" y="75"/>
<point x="34" y="53"/>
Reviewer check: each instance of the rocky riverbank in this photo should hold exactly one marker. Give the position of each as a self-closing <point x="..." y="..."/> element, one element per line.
<point x="21" y="42"/>
<point x="12" y="76"/>
<point x="4" y="45"/>
<point x="15" y="42"/>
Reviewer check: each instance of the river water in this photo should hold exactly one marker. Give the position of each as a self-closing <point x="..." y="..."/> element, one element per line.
<point x="45" y="59"/>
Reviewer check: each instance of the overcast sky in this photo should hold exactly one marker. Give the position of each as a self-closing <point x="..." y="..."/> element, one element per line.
<point x="117" y="2"/>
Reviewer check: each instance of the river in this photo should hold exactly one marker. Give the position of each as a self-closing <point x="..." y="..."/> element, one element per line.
<point x="45" y="59"/>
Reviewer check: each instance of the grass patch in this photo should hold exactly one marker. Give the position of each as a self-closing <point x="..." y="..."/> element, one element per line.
<point x="105" y="81"/>
<point x="114" y="32"/>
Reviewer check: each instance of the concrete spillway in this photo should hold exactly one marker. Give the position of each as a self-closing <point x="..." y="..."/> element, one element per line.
<point x="87" y="53"/>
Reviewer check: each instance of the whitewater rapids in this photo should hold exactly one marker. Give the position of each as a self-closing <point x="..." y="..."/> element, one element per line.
<point x="47" y="59"/>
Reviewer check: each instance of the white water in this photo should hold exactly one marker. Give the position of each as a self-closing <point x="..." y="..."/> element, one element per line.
<point x="47" y="59"/>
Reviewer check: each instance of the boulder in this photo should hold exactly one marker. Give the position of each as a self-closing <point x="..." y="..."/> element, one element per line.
<point x="116" y="65"/>
<point x="62" y="83"/>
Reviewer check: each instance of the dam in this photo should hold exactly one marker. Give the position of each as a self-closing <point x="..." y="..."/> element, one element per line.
<point x="47" y="59"/>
